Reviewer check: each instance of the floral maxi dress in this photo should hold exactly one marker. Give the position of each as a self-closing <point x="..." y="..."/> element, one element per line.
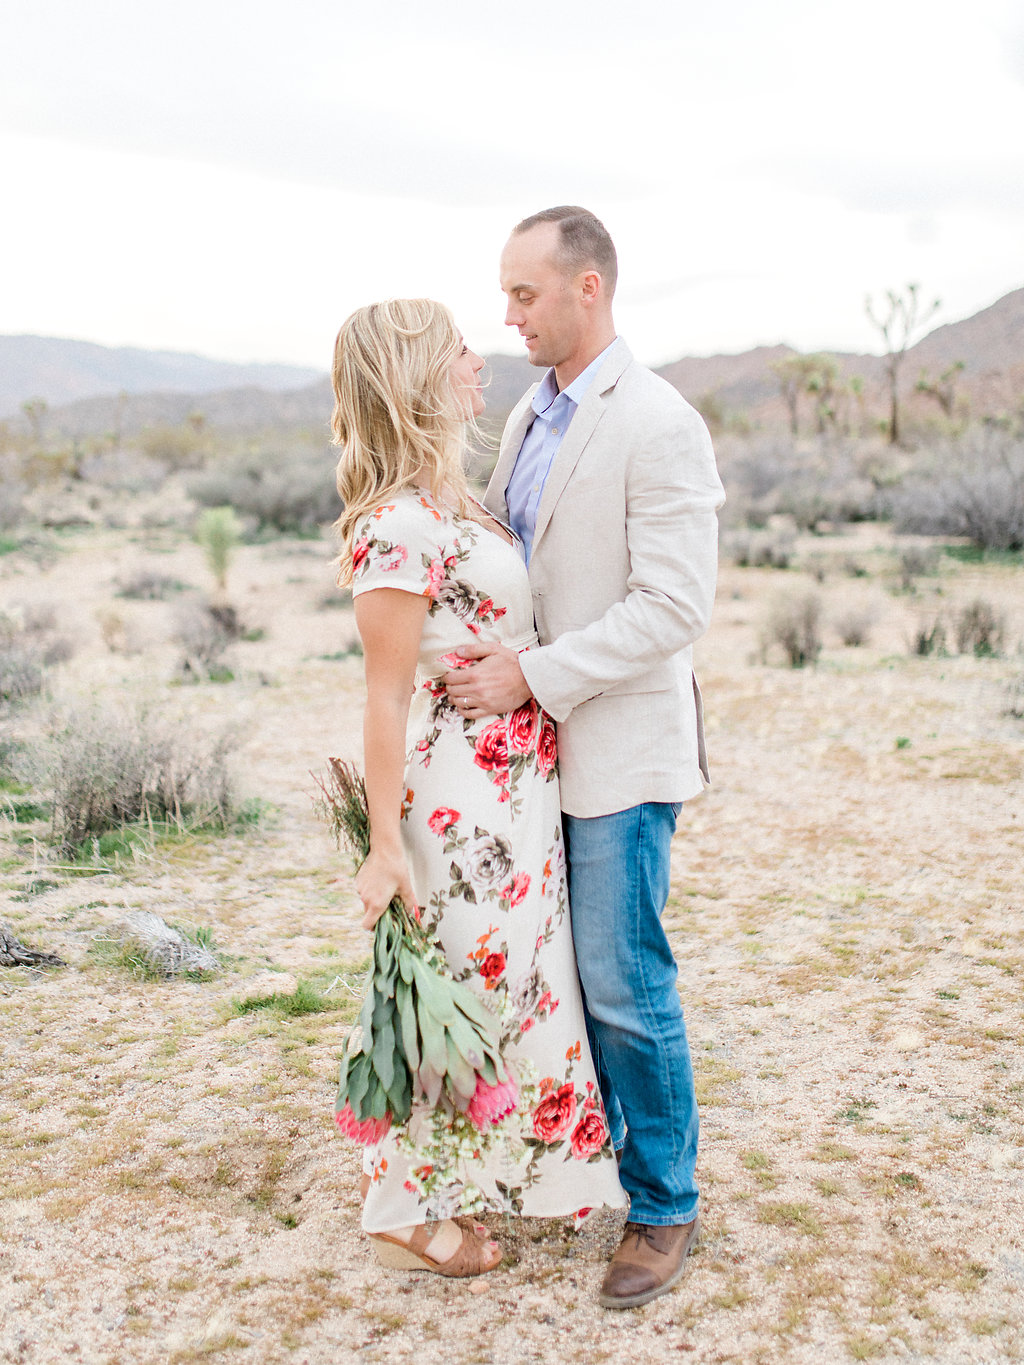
<point x="482" y="832"/>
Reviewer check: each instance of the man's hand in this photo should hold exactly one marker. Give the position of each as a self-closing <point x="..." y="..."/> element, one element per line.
<point x="490" y="685"/>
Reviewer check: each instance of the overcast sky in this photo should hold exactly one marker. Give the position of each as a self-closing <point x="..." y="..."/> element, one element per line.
<point x="234" y="179"/>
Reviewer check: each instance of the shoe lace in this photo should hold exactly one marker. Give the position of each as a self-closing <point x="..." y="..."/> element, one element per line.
<point x="645" y="1232"/>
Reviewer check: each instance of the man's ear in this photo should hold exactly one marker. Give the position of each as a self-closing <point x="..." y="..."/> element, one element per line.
<point x="591" y="286"/>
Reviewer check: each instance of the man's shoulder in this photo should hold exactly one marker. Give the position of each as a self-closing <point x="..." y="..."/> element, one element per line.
<point x="647" y="397"/>
<point x="637" y="378"/>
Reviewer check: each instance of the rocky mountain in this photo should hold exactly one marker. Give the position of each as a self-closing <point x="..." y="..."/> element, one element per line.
<point x="59" y="371"/>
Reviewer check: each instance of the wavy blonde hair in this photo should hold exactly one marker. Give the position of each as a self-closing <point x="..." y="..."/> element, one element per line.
<point x="396" y="415"/>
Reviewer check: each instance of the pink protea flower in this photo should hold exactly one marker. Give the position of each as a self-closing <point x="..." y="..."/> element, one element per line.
<point x="366" y="1131"/>
<point x="490" y="1103"/>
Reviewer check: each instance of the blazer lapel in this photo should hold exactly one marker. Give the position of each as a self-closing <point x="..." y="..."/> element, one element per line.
<point x="581" y="429"/>
<point x="511" y="441"/>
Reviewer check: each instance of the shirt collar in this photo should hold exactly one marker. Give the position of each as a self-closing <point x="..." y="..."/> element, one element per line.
<point x="548" y="391"/>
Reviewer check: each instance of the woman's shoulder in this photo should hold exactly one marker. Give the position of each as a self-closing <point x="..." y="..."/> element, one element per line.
<point x="408" y="528"/>
<point x="408" y="507"/>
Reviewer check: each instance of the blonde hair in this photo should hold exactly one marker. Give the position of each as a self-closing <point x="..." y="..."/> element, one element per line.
<point x="396" y="415"/>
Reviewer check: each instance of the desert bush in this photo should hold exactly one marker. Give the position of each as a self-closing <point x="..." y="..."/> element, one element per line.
<point x="29" y="644"/>
<point x="973" y="489"/>
<point x="123" y="471"/>
<point x="151" y="949"/>
<point x="12" y="505"/>
<point x="149" y="585"/>
<point x="914" y="562"/>
<point x="854" y="626"/>
<point x="812" y="483"/>
<point x="204" y="632"/>
<point x="291" y="494"/>
<point x="21" y="672"/>
<point x="218" y="532"/>
<point x="180" y="447"/>
<point x="794" y="623"/>
<point x="929" y="636"/>
<point x="759" y="549"/>
<point x="979" y="629"/>
<point x="113" y="766"/>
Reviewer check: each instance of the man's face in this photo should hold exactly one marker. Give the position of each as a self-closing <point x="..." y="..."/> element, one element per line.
<point x="543" y="303"/>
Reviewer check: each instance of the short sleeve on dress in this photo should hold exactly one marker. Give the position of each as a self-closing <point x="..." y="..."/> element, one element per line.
<point x="398" y="546"/>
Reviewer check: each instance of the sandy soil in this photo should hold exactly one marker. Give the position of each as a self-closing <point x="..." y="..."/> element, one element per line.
<point x="847" y="918"/>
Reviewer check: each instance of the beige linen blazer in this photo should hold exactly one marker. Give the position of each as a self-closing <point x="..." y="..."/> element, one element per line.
<point x="623" y="570"/>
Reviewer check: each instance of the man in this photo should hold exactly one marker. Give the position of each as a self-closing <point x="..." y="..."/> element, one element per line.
<point x="608" y="477"/>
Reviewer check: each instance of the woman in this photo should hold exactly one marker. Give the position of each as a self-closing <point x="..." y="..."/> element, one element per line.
<point x="464" y="813"/>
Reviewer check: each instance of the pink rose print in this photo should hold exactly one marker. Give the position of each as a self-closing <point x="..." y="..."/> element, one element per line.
<point x="552" y="1117"/>
<point x="588" y="1136"/>
<point x="492" y="750"/>
<point x="517" y="888"/>
<point x="435" y="577"/>
<point x="547" y="748"/>
<point x="394" y="559"/>
<point x="523" y="724"/>
<point x="442" y="820"/>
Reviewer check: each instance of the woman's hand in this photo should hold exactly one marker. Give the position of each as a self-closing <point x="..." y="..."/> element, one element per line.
<point x="383" y="876"/>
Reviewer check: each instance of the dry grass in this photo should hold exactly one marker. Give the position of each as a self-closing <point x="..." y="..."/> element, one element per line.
<point x="846" y="913"/>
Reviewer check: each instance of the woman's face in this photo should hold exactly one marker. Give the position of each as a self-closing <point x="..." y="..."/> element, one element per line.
<point x="465" y="372"/>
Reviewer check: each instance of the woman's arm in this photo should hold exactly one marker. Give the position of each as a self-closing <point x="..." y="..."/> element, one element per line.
<point x="390" y="624"/>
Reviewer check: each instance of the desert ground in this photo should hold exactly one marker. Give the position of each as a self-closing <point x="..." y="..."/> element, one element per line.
<point x="847" y="918"/>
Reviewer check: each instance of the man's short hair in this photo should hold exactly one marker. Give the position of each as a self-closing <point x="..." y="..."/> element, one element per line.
<point x="584" y="243"/>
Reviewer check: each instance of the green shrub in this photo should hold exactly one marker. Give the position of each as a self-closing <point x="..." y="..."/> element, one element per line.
<point x="218" y="532"/>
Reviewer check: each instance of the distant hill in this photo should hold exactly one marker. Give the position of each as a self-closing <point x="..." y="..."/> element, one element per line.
<point x="164" y="388"/>
<point x="60" y="371"/>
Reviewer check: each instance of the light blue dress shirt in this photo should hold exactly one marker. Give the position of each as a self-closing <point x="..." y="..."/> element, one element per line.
<point x="553" y="411"/>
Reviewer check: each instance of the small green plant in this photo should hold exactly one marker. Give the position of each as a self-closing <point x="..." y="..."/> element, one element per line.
<point x="856" y="1109"/>
<point x="902" y="742"/>
<point x="305" y="999"/>
<point x="218" y="532"/>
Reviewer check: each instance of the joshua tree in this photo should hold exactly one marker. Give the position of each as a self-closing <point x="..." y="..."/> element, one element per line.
<point x="943" y="389"/>
<point x="814" y="374"/>
<point x="897" y="326"/>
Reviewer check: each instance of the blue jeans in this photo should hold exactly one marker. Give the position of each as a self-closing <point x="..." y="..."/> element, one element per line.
<point x="618" y="886"/>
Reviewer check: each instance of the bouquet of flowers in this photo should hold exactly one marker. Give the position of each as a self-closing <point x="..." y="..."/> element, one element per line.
<point x="421" y="1034"/>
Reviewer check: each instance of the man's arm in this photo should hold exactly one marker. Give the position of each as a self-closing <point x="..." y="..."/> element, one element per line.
<point x="673" y="493"/>
<point x="672" y="496"/>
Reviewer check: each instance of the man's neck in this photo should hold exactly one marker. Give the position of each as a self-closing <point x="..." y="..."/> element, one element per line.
<point x="572" y="369"/>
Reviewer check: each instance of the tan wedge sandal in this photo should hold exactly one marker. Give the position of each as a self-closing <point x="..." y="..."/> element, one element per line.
<point x="462" y="1220"/>
<point x="473" y="1257"/>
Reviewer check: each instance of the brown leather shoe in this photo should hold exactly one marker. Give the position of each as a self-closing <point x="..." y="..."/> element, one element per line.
<point x="650" y="1261"/>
